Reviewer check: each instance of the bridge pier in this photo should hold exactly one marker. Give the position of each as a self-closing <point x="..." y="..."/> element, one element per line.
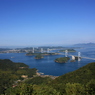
<point x="73" y="57"/>
<point x="77" y="57"/>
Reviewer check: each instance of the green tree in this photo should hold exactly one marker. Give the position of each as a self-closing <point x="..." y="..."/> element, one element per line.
<point x="45" y="90"/>
<point x="21" y="89"/>
<point x="75" y="89"/>
<point x="90" y="87"/>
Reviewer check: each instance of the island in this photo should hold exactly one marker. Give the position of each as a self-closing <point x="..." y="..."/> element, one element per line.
<point x="31" y="54"/>
<point x="39" y="56"/>
<point x="62" y="59"/>
<point x="69" y="50"/>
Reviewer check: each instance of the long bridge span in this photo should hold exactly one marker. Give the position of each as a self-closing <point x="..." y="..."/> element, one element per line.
<point x="79" y="56"/>
<point x="88" y="58"/>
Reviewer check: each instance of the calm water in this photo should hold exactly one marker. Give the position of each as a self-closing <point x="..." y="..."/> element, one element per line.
<point x="48" y="66"/>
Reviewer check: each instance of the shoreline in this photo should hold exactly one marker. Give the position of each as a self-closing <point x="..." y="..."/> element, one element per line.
<point x="43" y="76"/>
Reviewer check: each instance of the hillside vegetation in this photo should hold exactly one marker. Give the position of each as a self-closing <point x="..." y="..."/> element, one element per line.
<point x="11" y="72"/>
<point x="82" y="75"/>
<point x="83" y="78"/>
<point x="79" y="82"/>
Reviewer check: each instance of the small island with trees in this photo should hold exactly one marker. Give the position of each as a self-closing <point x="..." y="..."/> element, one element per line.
<point x="39" y="56"/>
<point x="31" y="54"/>
<point x="62" y="59"/>
<point x="69" y="50"/>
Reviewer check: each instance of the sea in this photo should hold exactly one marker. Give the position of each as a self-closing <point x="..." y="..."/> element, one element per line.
<point x="48" y="66"/>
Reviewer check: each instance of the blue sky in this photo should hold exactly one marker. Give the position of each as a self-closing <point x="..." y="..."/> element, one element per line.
<point x="46" y="22"/>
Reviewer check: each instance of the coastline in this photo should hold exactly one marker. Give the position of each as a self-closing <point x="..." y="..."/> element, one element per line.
<point x="43" y="76"/>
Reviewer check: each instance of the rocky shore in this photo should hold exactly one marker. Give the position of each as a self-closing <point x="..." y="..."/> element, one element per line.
<point x="42" y="75"/>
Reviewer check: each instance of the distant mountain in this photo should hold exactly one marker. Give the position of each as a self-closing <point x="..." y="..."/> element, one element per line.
<point x="85" y="44"/>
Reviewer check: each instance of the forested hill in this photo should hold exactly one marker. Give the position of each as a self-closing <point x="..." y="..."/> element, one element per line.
<point x="11" y="72"/>
<point x="7" y="64"/>
<point x="82" y="75"/>
<point x="79" y="82"/>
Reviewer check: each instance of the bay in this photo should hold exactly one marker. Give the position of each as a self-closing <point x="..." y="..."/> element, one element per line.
<point x="47" y="64"/>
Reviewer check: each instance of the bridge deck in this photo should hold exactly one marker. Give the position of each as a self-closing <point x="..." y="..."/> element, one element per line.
<point x="81" y="57"/>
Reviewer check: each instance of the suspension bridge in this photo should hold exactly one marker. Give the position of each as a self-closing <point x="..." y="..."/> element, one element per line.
<point x="79" y="57"/>
<point x="74" y="56"/>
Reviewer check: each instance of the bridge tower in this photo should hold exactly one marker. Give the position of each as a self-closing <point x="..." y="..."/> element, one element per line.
<point x="33" y="49"/>
<point x="41" y="50"/>
<point x="47" y="50"/>
<point x="66" y="53"/>
<point x="79" y="56"/>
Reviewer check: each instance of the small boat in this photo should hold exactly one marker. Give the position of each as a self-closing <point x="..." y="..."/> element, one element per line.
<point x="12" y="57"/>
